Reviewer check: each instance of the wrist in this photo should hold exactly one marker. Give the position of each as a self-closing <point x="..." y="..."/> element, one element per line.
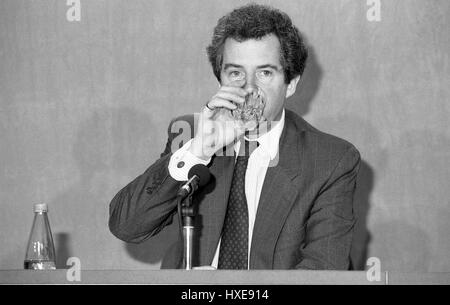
<point x="197" y="150"/>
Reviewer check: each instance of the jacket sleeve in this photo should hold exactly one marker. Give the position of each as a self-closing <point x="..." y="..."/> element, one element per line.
<point x="148" y="203"/>
<point x="329" y="227"/>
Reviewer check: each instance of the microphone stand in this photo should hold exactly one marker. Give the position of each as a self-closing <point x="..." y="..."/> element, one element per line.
<point x="198" y="174"/>
<point x="188" y="215"/>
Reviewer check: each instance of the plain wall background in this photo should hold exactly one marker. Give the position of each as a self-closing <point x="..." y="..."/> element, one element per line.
<point x="84" y="108"/>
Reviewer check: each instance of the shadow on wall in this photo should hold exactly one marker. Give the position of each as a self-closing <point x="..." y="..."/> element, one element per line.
<point x="152" y="250"/>
<point x="308" y="86"/>
<point x="106" y="148"/>
<point x="63" y="249"/>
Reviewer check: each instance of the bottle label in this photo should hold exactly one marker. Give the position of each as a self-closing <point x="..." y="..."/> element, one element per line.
<point x="39" y="265"/>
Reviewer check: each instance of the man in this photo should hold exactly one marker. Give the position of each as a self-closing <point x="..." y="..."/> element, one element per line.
<point x="286" y="205"/>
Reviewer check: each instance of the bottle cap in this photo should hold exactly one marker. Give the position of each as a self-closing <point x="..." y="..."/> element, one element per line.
<point x="40" y="207"/>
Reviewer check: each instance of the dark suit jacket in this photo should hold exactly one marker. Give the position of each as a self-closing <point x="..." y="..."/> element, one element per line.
<point x="305" y="215"/>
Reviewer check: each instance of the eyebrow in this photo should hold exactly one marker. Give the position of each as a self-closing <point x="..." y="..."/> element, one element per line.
<point x="276" y="68"/>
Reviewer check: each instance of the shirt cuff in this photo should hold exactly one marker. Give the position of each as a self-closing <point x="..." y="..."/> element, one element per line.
<point x="182" y="161"/>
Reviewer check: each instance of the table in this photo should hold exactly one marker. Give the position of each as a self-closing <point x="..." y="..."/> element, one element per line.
<point x="214" y="277"/>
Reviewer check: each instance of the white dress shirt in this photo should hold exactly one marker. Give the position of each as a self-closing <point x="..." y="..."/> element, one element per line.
<point x="258" y="163"/>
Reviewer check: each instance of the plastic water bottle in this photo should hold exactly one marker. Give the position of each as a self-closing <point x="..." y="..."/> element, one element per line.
<point x="40" y="250"/>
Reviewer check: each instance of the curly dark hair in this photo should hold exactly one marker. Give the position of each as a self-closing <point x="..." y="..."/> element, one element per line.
<point x="255" y="21"/>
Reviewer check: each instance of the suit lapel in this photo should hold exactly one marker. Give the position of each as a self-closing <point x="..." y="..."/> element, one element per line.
<point x="278" y="194"/>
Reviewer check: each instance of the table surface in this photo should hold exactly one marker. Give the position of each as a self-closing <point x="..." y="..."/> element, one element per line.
<point x="215" y="277"/>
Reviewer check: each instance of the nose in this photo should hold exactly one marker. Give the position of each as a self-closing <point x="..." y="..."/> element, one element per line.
<point x="250" y="84"/>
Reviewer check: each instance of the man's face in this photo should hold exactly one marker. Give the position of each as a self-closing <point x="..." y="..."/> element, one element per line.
<point x="254" y="64"/>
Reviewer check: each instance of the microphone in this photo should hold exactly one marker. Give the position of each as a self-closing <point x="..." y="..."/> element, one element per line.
<point x="198" y="175"/>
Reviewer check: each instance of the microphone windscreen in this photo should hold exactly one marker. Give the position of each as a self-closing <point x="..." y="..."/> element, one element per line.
<point x="202" y="172"/>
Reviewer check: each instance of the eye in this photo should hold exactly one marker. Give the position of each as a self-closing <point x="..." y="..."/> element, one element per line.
<point x="235" y="74"/>
<point x="264" y="74"/>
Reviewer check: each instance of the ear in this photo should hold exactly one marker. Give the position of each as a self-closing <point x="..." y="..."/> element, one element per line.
<point x="292" y="86"/>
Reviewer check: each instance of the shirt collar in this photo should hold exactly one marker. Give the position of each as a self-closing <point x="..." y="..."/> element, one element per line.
<point x="269" y="141"/>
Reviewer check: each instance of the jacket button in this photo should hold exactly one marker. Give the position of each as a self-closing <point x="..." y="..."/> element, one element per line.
<point x="149" y="189"/>
<point x="180" y="164"/>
